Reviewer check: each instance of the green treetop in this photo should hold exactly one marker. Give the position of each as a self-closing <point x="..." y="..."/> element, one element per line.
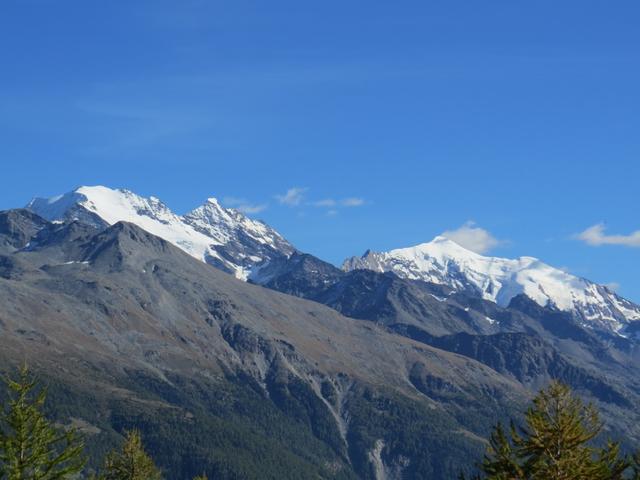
<point x="555" y="444"/>
<point x="131" y="462"/>
<point x="30" y="447"/>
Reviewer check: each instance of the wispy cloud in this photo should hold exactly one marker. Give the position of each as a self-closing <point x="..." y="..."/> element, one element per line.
<point x="293" y="197"/>
<point x="352" y="202"/>
<point x="252" y="209"/>
<point x="596" y="236"/>
<point x="345" y="202"/>
<point x="473" y="238"/>
<point x="327" y="202"/>
<point x="244" y="206"/>
<point x="613" y="286"/>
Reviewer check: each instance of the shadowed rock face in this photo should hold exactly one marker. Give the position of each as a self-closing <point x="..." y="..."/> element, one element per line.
<point x="445" y="262"/>
<point x="18" y="227"/>
<point x="380" y="297"/>
<point x="244" y="242"/>
<point x="388" y="299"/>
<point x="524" y="341"/>
<point x="236" y="379"/>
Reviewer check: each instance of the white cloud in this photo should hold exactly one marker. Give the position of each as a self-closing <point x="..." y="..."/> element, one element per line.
<point x="249" y="209"/>
<point x="596" y="236"/>
<point x="293" y="197"/>
<point x="613" y="286"/>
<point x="473" y="238"/>
<point x="244" y="206"/>
<point x="327" y="202"/>
<point x="352" y="202"/>
<point x="345" y="202"/>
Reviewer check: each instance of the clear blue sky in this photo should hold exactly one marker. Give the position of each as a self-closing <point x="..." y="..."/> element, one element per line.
<point x="523" y="117"/>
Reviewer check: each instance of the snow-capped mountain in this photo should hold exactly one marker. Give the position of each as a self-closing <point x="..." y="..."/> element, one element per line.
<point x="242" y="241"/>
<point x="443" y="261"/>
<point x="222" y="237"/>
<point x="230" y="241"/>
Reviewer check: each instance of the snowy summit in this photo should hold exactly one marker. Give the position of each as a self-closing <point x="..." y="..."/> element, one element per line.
<point x="222" y="237"/>
<point x="443" y="261"/>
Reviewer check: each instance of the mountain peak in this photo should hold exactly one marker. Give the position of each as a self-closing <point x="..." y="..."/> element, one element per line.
<point x="123" y="243"/>
<point x="442" y="261"/>
<point x="17" y="227"/>
<point x="222" y="237"/>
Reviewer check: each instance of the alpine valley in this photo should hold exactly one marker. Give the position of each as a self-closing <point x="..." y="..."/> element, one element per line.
<point x="240" y="356"/>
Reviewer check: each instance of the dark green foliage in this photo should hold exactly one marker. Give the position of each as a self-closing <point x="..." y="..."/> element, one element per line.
<point x="30" y="447"/>
<point x="131" y="462"/>
<point x="295" y="398"/>
<point x="328" y="392"/>
<point x="229" y="430"/>
<point x="555" y="444"/>
<point x="635" y="466"/>
<point x="426" y="442"/>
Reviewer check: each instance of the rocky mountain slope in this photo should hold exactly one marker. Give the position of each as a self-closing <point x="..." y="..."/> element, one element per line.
<point x="444" y="262"/>
<point x="225" y="376"/>
<point x="428" y="312"/>
<point x="523" y="341"/>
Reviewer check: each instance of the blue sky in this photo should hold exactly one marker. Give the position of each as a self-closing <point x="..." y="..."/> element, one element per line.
<point x="395" y="121"/>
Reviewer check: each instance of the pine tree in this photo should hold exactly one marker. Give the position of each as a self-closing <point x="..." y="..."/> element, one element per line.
<point x="131" y="462"/>
<point x="636" y="466"/>
<point x="554" y="444"/>
<point x="30" y="447"/>
<point x="501" y="461"/>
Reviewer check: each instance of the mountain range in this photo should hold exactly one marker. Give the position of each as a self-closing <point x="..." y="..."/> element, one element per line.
<point x="238" y="355"/>
<point x="500" y="280"/>
<point x="229" y="240"/>
<point x="222" y="237"/>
